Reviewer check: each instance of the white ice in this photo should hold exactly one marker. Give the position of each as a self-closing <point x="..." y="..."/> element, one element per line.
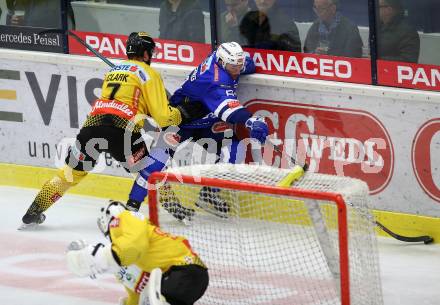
<point x="33" y="269"/>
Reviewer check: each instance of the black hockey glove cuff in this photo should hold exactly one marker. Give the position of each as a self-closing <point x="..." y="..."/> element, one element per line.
<point x="191" y="111"/>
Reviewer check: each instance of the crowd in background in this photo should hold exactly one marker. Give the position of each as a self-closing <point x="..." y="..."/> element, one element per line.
<point x="333" y="25"/>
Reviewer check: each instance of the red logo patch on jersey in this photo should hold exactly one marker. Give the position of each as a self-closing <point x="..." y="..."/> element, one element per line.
<point x="233" y="104"/>
<point x="203" y="68"/>
<point x="133" y="68"/>
<point x="215" y="73"/>
<point x="219" y="127"/>
<point x="114" y="223"/>
<point x="172" y="139"/>
<point x="143" y="281"/>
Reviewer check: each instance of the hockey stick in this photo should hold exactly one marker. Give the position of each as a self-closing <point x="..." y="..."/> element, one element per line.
<point x="89" y="47"/>
<point x="99" y="55"/>
<point x="426" y="239"/>
<point x="82" y="42"/>
<point x="296" y="173"/>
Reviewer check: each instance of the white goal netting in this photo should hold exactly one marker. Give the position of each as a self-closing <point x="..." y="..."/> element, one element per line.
<point x="269" y="245"/>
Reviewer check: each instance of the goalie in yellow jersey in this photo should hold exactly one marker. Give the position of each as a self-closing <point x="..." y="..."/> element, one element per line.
<point x="131" y="92"/>
<point x="138" y="254"/>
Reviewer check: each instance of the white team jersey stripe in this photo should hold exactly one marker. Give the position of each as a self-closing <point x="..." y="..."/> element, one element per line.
<point x="227" y="111"/>
<point x="221" y="106"/>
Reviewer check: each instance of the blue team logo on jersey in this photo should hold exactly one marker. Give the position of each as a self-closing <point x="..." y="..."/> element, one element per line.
<point x="205" y="65"/>
<point x="142" y="75"/>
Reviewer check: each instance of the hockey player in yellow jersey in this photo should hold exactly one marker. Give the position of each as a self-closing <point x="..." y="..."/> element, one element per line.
<point x="131" y="91"/>
<point x="138" y="255"/>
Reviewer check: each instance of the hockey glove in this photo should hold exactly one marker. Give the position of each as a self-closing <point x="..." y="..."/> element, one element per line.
<point x="191" y="111"/>
<point x="90" y="260"/>
<point x="258" y="128"/>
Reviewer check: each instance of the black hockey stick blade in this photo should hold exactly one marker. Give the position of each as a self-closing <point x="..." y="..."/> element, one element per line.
<point x="410" y="239"/>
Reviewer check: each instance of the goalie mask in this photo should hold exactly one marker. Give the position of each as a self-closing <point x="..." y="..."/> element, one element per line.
<point x="230" y="53"/>
<point x="108" y="213"/>
<point x="138" y="43"/>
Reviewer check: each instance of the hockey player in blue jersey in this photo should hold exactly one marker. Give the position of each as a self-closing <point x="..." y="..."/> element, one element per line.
<point x="213" y="83"/>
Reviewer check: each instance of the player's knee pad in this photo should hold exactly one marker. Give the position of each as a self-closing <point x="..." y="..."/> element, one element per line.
<point x="70" y="176"/>
<point x="78" y="160"/>
<point x="152" y="294"/>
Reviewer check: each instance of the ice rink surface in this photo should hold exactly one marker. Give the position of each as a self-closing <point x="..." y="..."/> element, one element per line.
<point x="33" y="269"/>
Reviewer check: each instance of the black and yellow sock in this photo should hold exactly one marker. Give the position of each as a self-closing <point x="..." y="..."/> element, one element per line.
<point x="54" y="189"/>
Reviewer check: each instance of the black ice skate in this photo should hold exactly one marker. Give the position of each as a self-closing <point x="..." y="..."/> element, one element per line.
<point x="181" y="213"/>
<point x="133" y="205"/>
<point x="31" y="221"/>
<point x="210" y="202"/>
<point x="172" y="205"/>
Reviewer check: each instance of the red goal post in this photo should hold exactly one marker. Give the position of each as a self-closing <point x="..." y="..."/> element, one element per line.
<point x="193" y="178"/>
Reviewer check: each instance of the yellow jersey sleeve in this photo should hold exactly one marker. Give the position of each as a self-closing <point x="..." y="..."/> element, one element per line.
<point x="136" y="241"/>
<point x="157" y="102"/>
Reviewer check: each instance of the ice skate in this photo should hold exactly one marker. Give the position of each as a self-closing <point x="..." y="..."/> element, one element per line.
<point x="212" y="203"/>
<point x="31" y="221"/>
<point x="181" y="213"/>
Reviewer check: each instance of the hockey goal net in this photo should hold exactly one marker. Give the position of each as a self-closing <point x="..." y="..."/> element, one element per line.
<point x="311" y="243"/>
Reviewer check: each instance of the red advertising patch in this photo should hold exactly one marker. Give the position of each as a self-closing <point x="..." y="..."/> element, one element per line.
<point x="55" y="197"/>
<point x="142" y="283"/>
<point x="233" y="103"/>
<point x="336" y="141"/>
<point x="424" y="151"/>
<point x="172" y="139"/>
<point x="285" y="63"/>
<point x="219" y="127"/>
<point x="408" y="75"/>
<point x="113" y="107"/>
<point x="306" y="65"/>
<point x="166" y="51"/>
<point x="114" y="223"/>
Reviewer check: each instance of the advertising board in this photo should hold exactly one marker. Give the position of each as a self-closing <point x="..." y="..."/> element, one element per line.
<point x="386" y="137"/>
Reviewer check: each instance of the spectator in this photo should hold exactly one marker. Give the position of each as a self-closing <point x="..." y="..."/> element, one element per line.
<point x="230" y="20"/>
<point x="35" y="13"/>
<point x="150" y="3"/>
<point x="16" y="11"/>
<point x="396" y="39"/>
<point x="181" y="20"/>
<point x="269" y="27"/>
<point x="332" y="33"/>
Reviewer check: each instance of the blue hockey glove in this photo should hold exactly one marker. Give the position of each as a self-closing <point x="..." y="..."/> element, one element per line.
<point x="258" y="128"/>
